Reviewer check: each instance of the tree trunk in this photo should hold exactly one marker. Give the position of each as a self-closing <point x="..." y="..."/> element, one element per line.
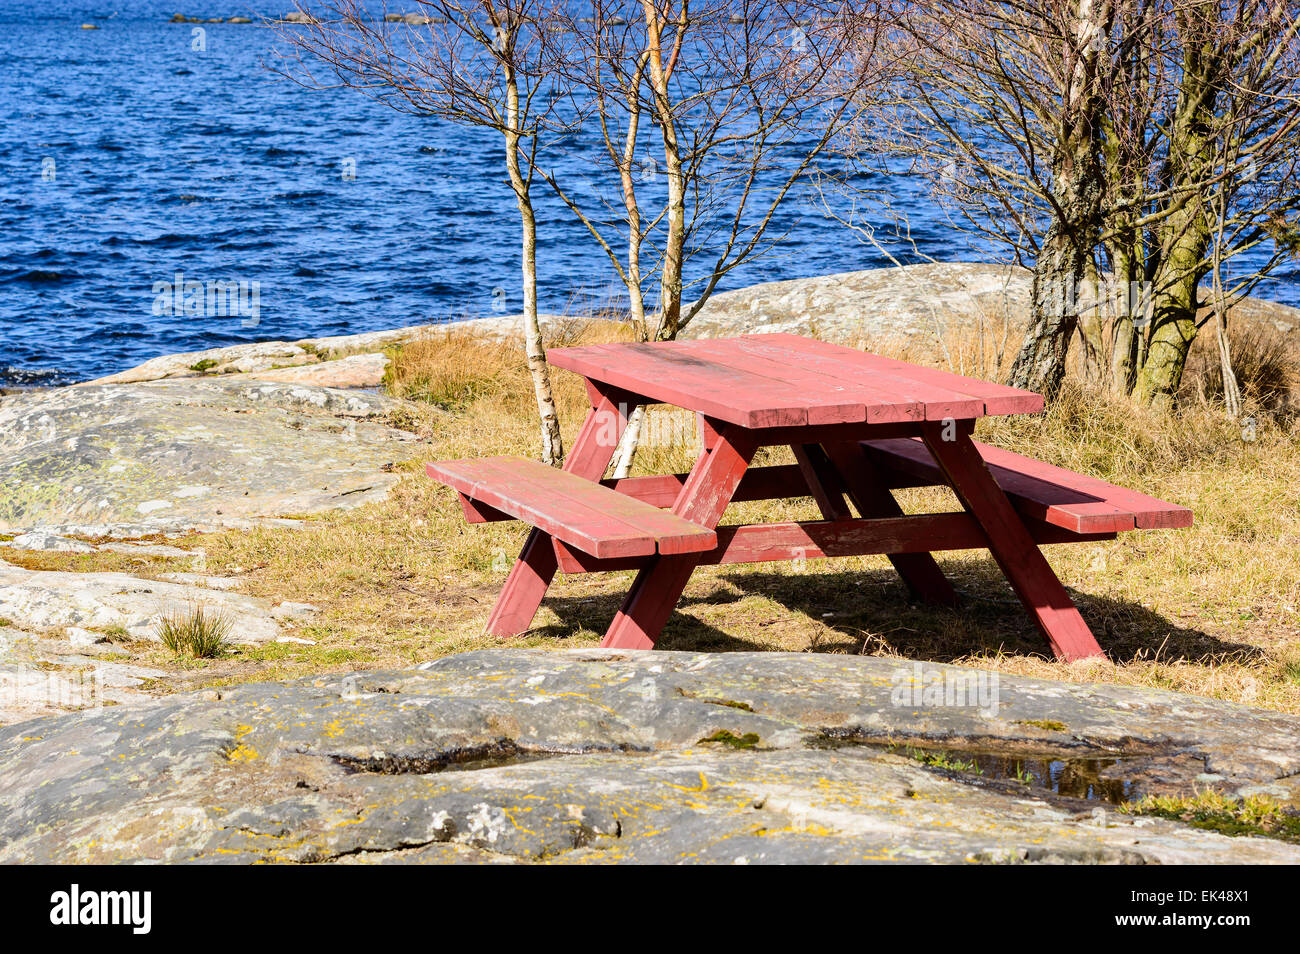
<point x="670" y="283"/>
<point x="552" y="442"/>
<point x="636" y="299"/>
<point x="1091" y="333"/>
<point x="1066" y="251"/>
<point x="626" y="452"/>
<point x="1040" y="365"/>
<point x="1184" y="235"/>
<point x="1173" y="327"/>
<point x="1231" y="388"/>
<point x="1162" y="372"/>
<point x="1130" y="309"/>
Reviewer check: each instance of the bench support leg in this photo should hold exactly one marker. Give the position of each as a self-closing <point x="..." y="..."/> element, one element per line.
<point x="527" y="583"/>
<point x="869" y="494"/>
<point x="533" y="572"/>
<point x="703" y="499"/>
<point x="1012" y="546"/>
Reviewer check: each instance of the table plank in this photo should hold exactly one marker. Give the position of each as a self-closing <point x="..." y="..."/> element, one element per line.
<point x="784" y="380"/>
<point x="692" y="383"/>
<point x="828" y="400"/>
<point x="891" y="397"/>
<point x="996" y="398"/>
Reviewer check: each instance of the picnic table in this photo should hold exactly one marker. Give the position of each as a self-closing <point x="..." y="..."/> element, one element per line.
<point x="860" y="426"/>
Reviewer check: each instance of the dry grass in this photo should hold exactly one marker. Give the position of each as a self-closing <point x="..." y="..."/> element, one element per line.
<point x="1265" y="361"/>
<point x="1211" y="610"/>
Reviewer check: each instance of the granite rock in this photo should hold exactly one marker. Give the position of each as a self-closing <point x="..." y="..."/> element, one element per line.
<point x="191" y="454"/>
<point x="596" y="756"/>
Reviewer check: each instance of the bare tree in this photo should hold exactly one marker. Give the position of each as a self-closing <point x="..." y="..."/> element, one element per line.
<point x="744" y="95"/>
<point x="707" y="113"/>
<point x="999" y="106"/>
<point x="1204" y="172"/>
<point x="478" y="63"/>
<point x="1094" y="140"/>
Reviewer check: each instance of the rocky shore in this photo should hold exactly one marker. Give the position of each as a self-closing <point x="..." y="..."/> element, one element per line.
<point x="509" y="755"/>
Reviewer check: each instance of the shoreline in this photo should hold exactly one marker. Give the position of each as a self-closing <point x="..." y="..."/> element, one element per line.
<point x="914" y="301"/>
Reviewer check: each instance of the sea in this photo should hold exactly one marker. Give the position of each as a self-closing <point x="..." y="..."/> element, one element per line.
<point x="146" y="161"/>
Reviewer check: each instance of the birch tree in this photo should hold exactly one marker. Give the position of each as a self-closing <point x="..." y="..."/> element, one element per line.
<point x="483" y="64"/>
<point x="730" y="103"/>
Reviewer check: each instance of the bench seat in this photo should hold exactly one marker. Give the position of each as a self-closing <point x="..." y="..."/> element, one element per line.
<point x="1054" y="495"/>
<point x="593" y="518"/>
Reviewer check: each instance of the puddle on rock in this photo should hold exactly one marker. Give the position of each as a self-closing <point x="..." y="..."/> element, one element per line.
<point x="485" y="755"/>
<point x="1093" y="779"/>
<point x="469" y="758"/>
<point x="1098" y="779"/>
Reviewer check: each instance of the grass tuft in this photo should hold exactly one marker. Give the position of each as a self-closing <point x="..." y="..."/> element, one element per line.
<point x="1265" y="362"/>
<point x="196" y="633"/>
<point x="941" y="760"/>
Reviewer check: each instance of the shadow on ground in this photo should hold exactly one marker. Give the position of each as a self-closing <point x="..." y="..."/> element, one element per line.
<point x="873" y="612"/>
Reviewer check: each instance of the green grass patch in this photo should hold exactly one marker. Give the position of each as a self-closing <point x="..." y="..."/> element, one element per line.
<point x="299" y="652"/>
<point x="1255" y="815"/>
<point x="942" y="760"/>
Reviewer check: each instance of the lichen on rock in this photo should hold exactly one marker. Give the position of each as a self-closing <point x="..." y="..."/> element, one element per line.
<point x="594" y="756"/>
<point x="192" y="453"/>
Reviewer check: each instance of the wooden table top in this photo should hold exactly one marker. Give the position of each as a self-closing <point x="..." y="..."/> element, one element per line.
<point x="783" y="380"/>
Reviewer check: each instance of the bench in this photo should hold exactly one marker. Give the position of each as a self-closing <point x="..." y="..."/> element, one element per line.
<point x="614" y="523"/>
<point x="1042" y="492"/>
<point x="596" y="519"/>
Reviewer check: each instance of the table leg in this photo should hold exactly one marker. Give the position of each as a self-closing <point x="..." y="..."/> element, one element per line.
<point x="1012" y="546"/>
<point x="824" y="483"/>
<point x="703" y="499"/>
<point x="533" y="572"/>
<point x="869" y="494"/>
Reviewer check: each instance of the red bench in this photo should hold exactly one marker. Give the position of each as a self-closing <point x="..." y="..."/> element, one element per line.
<point x="1053" y="495"/>
<point x="587" y="515"/>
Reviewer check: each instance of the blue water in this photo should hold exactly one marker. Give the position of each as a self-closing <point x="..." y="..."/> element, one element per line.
<point x="128" y="156"/>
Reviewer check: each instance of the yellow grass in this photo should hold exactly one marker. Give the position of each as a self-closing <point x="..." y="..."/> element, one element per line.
<point x="1212" y="610"/>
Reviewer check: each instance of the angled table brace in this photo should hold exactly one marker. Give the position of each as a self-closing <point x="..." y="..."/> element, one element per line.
<point x="703" y="500"/>
<point x="872" y="498"/>
<point x="1010" y="543"/>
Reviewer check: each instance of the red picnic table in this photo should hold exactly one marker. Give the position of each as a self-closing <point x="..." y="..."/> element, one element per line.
<point x="860" y="425"/>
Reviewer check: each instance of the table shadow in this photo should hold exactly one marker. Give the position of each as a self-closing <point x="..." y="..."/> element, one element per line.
<point x="873" y="611"/>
